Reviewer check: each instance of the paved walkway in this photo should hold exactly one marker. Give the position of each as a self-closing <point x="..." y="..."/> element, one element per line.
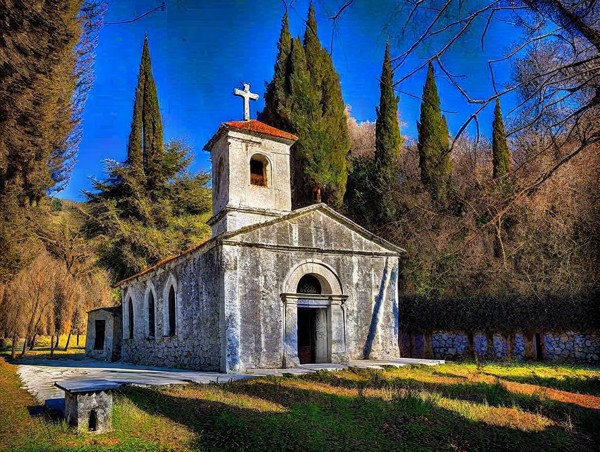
<point x="39" y="376"/>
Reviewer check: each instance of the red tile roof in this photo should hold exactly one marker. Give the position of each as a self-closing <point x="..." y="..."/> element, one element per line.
<point x="260" y="127"/>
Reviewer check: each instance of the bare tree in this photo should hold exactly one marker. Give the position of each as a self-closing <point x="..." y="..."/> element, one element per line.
<point x="557" y="60"/>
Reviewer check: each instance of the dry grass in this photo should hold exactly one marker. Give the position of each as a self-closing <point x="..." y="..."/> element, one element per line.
<point x="454" y="406"/>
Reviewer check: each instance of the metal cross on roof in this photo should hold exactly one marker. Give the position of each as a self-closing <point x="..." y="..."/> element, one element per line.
<point x="247" y="96"/>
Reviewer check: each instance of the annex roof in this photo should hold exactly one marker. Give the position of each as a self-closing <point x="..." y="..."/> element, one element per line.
<point x="253" y="126"/>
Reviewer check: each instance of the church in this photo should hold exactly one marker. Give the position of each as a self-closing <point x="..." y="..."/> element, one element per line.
<point x="272" y="288"/>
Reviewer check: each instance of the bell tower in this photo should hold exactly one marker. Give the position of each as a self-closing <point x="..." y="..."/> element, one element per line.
<point x="250" y="171"/>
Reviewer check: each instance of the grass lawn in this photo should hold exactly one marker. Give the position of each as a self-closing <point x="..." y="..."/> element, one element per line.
<point x="449" y="407"/>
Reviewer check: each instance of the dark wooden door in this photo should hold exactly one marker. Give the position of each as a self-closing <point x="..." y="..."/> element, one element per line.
<point x="306" y="335"/>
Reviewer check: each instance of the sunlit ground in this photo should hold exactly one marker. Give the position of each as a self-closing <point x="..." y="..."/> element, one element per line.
<point x="454" y="406"/>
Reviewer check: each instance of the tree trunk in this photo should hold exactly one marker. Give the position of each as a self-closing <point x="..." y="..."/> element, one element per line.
<point x="317" y="194"/>
<point x="57" y="340"/>
<point x="32" y="342"/>
<point x="528" y="345"/>
<point x="68" y="340"/>
<point x="24" y="350"/>
<point x="472" y="350"/>
<point x="510" y="339"/>
<point x="77" y="338"/>
<point x="13" y="351"/>
<point x="428" y="345"/>
<point x="51" y="346"/>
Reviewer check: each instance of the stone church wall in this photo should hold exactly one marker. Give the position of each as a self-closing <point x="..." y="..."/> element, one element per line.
<point x="196" y="343"/>
<point x="256" y="271"/>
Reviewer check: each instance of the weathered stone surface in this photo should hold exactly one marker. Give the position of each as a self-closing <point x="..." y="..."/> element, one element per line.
<point x="236" y="301"/>
<point x="564" y="346"/>
<point x="111" y="346"/>
<point x="89" y="412"/>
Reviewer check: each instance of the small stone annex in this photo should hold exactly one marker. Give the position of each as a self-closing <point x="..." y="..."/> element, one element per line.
<point x="273" y="287"/>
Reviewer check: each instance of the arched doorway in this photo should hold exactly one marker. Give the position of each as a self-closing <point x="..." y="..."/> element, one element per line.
<point x="314" y="328"/>
<point x="312" y="324"/>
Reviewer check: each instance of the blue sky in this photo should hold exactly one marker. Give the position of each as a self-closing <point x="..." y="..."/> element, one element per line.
<point x="201" y="50"/>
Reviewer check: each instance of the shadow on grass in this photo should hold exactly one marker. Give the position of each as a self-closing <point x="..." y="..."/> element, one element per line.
<point x="569" y="412"/>
<point x="316" y="419"/>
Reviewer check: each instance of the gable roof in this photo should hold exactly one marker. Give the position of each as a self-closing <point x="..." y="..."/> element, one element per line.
<point x="111" y="309"/>
<point x="327" y="211"/>
<point x="294" y="214"/>
<point x="254" y="127"/>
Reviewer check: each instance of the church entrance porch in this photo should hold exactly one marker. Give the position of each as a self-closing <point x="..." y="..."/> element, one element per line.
<point x="314" y="329"/>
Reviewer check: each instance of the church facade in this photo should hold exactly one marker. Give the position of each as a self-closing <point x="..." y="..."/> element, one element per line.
<point x="273" y="287"/>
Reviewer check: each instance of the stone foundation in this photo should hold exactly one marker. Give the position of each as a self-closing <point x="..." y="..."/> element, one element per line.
<point x="570" y="346"/>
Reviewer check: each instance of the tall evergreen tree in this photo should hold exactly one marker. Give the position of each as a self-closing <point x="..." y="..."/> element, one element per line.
<point x="146" y="148"/>
<point x="311" y="106"/>
<point x="149" y="206"/>
<point x="434" y="143"/>
<point x="277" y="91"/>
<point x="500" y="152"/>
<point x="387" y="140"/>
<point x="335" y="142"/>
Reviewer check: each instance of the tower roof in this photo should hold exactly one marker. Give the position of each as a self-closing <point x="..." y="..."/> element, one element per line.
<point x="254" y="127"/>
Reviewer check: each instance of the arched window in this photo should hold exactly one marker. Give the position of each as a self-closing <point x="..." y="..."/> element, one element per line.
<point x="171" y="311"/>
<point x="258" y="170"/>
<point x="151" y="323"/>
<point x="130" y="315"/>
<point x="309" y="284"/>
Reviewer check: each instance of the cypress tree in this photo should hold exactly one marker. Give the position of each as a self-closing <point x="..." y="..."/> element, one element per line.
<point x="311" y="107"/>
<point x="277" y="92"/>
<point x="145" y="150"/>
<point x="387" y="139"/>
<point x="328" y="173"/>
<point x="500" y="152"/>
<point x="433" y="143"/>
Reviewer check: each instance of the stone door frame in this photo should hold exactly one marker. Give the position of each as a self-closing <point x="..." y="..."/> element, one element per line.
<point x="336" y="325"/>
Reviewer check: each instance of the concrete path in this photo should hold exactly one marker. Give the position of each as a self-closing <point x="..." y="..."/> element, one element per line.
<point x="39" y="376"/>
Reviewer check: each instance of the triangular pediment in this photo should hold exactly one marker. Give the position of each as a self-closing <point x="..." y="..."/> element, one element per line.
<point x="314" y="227"/>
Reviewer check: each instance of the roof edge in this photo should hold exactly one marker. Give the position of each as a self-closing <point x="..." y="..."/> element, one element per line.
<point x="225" y="127"/>
<point x="320" y="206"/>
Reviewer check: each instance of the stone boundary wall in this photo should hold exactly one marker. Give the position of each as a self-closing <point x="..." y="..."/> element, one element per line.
<point x="569" y="346"/>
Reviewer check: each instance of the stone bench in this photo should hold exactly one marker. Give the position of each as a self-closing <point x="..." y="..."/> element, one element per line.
<point x="88" y="404"/>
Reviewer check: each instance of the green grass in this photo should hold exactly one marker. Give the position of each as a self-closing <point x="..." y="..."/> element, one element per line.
<point x="449" y="407"/>
<point x="42" y="348"/>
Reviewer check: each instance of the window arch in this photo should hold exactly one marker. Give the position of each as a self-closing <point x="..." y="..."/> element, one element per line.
<point x="259" y="170"/>
<point x="169" y="306"/>
<point x="151" y="317"/>
<point x="171" y="309"/>
<point x="309" y="284"/>
<point x="130" y="317"/>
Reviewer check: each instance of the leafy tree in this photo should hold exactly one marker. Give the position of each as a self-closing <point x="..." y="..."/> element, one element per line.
<point x="433" y="142"/>
<point x="387" y="140"/>
<point x="500" y="152"/>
